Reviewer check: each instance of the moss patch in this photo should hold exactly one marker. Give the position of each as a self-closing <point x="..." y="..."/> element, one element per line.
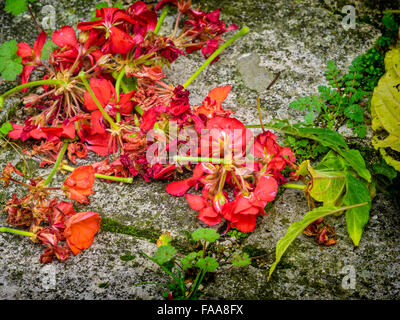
<point x="111" y="225"/>
<point x="127" y="257"/>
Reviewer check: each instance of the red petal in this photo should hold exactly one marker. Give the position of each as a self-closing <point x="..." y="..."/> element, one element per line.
<point x="209" y="216"/>
<point x="65" y="37"/>
<point x="195" y="202"/>
<point x="266" y="189"/>
<point x="179" y="188"/>
<point x="246" y="223"/>
<point x="121" y="42"/>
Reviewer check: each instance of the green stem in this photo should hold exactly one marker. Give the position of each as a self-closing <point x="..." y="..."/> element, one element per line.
<point x="105" y="114"/>
<point x="294" y="186"/>
<point x="160" y="21"/>
<point x="57" y="164"/>
<point x="117" y="88"/>
<point x="101" y="176"/>
<point x="29" y="85"/>
<point x="199" y="159"/>
<point x="196" y="283"/>
<point x="241" y="33"/>
<point x="15" y="231"/>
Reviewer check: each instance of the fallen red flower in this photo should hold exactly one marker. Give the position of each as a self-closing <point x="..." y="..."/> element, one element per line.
<point x="80" y="230"/>
<point x="79" y="185"/>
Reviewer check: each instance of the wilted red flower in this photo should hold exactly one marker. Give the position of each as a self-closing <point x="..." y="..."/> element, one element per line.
<point x="77" y="149"/>
<point x="119" y="41"/>
<point x="24" y="132"/>
<point x="79" y="185"/>
<point x="80" y="230"/>
<point x="212" y="104"/>
<point x="179" y="102"/>
<point x="8" y="169"/>
<point x="31" y="57"/>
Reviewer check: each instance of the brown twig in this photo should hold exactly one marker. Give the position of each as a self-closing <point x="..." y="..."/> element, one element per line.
<point x="34" y="18"/>
<point x="274" y="80"/>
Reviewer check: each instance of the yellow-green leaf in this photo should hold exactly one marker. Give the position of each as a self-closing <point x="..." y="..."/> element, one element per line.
<point x="356" y="218"/>
<point x="385" y="108"/>
<point x="298" y="227"/>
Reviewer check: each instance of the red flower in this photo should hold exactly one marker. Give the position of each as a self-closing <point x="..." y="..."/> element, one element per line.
<point x="50" y="237"/>
<point x="24" y="132"/>
<point x="145" y="19"/>
<point x="212" y="104"/>
<point x="79" y="185"/>
<point x="119" y="41"/>
<point x="179" y="188"/>
<point x="207" y="214"/>
<point x="105" y="93"/>
<point x="77" y="149"/>
<point x="31" y="57"/>
<point x="99" y="143"/>
<point x="6" y="177"/>
<point x="80" y="230"/>
<point x="179" y="102"/>
<point x="243" y="211"/>
<point x="227" y="136"/>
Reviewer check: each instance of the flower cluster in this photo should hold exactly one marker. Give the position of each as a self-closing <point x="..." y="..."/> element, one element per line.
<point x="248" y="172"/>
<point x="104" y="91"/>
<point x="49" y="220"/>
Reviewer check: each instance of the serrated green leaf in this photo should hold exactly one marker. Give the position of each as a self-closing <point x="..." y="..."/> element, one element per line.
<point x="208" y="264"/>
<point x="354" y="112"/>
<point x="356" y="218"/>
<point x="190" y="260"/>
<point x="11" y="70"/>
<point x="164" y="254"/>
<point x="10" y="62"/>
<point x="241" y="260"/>
<point x="207" y="234"/>
<point x="298" y="227"/>
<point x="16" y="7"/>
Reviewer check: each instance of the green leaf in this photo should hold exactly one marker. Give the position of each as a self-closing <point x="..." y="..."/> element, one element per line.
<point x="241" y="261"/>
<point x="164" y="254"/>
<point x="327" y="138"/>
<point x="10" y="62"/>
<point x="5" y="128"/>
<point x="356" y="161"/>
<point x="207" y="234"/>
<point x="354" y="112"/>
<point x="384" y="169"/>
<point x="356" y="218"/>
<point x="16" y="7"/>
<point x="297" y="228"/>
<point x="190" y="260"/>
<point x="208" y="264"/>
<point x="328" y="179"/>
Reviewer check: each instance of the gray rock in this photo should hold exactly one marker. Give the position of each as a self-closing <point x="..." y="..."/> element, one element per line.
<point x="291" y="37"/>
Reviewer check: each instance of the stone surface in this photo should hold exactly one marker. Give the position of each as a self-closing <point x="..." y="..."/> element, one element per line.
<point x="291" y="37"/>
